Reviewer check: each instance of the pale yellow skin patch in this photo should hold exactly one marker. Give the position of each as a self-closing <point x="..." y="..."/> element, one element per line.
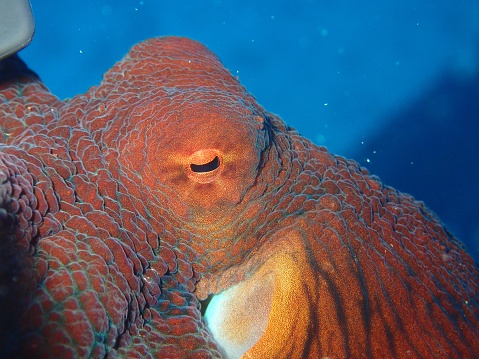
<point x="238" y="316"/>
<point x="265" y="314"/>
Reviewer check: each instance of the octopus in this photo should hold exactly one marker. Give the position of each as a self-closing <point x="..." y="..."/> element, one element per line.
<point x="165" y="214"/>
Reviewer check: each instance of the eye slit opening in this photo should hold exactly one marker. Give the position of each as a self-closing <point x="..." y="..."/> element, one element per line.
<point x="206" y="167"/>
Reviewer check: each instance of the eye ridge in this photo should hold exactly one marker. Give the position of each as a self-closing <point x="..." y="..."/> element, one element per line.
<point x="206" y="167"/>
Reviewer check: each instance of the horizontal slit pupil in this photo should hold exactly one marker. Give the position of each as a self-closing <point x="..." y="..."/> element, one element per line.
<point x="206" y="167"/>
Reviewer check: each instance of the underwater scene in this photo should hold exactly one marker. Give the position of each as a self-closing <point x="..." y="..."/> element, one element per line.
<point x="239" y="179"/>
<point x="392" y="85"/>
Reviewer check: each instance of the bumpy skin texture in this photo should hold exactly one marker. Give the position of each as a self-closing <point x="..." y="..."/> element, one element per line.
<point x="120" y="209"/>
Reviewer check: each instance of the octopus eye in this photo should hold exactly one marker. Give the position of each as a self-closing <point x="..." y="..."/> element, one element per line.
<point x="206" y="167"/>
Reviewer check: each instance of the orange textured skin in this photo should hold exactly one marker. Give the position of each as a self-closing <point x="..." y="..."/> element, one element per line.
<point x="121" y="208"/>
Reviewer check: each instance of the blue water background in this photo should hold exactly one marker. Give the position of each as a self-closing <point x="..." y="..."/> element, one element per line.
<point x="392" y="84"/>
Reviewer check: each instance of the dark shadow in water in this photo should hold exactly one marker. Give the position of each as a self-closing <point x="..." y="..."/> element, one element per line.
<point x="431" y="150"/>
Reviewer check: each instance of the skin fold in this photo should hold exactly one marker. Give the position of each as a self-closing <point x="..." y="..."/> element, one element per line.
<point x="122" y="208"/>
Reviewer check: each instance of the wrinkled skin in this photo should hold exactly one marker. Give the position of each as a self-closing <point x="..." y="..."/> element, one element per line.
<point x="122" y="208"/>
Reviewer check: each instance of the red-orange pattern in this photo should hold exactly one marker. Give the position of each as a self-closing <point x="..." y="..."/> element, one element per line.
<point x="108" y="239"/>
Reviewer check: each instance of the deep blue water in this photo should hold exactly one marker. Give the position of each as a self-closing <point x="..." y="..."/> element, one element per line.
<point x="394" y="85"/>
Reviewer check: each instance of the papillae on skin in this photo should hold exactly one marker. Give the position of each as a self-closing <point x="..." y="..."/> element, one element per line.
<point x="167" y="184"/>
